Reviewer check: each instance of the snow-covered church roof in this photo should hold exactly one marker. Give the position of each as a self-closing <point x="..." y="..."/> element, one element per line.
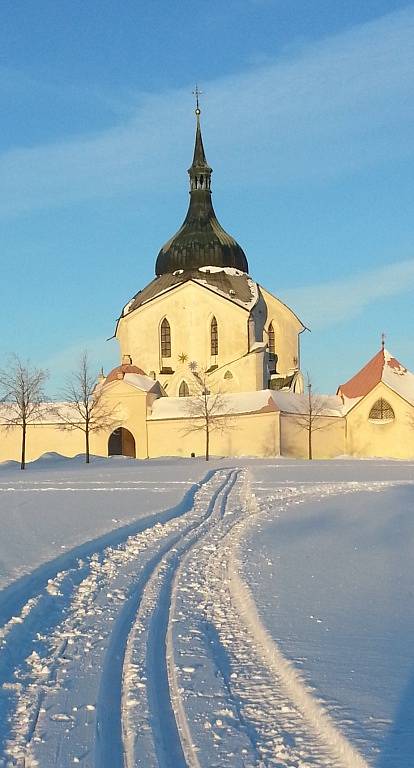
<point x="385" y="368"/>
<point x="228" y="282"/>
<point x="134" y="376"/>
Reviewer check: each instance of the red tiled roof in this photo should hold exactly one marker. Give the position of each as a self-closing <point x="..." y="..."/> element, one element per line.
<point x="369" y="376"/>
<point x="269" y="407"/>
<point x="121" y="370"/>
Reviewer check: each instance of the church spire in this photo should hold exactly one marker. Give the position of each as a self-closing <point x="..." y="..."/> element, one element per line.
<point x="201" y="241"/>
<point x="200" y="171"/>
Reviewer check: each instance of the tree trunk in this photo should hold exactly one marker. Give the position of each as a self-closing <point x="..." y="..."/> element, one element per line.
<point x="87" y="445"/>
<point x="207" y="443"/>
<point x="310" y="422"/>
<point x="23" y="459"/>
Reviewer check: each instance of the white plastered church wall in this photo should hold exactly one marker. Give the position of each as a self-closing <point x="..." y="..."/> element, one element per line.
<point x="189" y="309"/>
<point x="380" y="438"/>
<point x="287" y="328"/>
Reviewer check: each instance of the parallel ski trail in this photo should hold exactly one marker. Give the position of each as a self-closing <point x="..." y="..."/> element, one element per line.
<point x="239" y="701"/>
<point x="62" y="627"/>
<point x="183" y="724"/>
<point x="152" y="735"/>
<point x="16" y="598"/>
<point x="145" y="648"/>
<point x="109" y="749"/>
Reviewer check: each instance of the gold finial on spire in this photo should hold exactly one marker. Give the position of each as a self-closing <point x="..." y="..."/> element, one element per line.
<point x="197" y="94"/>
<point x="382" y="340"/>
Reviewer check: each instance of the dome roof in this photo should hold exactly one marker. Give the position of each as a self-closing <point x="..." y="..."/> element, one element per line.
<point x="201" y="241"/>
<point x="120" y="371"/>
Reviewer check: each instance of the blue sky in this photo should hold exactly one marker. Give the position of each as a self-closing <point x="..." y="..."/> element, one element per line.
<point x="308" y="124"/>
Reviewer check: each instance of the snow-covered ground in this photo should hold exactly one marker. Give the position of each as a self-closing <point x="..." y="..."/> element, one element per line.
<point x="176" y="614"/>
<point x="341" y="603"/>
<point x="58" y="504"/>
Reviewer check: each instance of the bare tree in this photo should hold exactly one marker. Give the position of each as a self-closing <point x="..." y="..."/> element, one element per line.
<point x="313" y="417"/>
<point x="22" y="392"/>
<point x="85" y="408"/>
<point x="207" y="411"/>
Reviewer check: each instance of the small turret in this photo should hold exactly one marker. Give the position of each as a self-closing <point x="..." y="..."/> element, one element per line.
<point x="199" y="171"/>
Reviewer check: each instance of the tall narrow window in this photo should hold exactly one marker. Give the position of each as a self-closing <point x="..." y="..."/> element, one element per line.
<point x="165" y="338"/>
<point x="214" y="336"/>
<point x="381" y="411"/>
<point x="183" y="391"/>
<point x="272" y="346"/>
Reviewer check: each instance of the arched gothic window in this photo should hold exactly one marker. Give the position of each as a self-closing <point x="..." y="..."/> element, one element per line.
<point x="272" y="343"/>
<point x="165" y="338"/>
<point x="214" y="336"/>
<point x="381" y="411"/>
<point x="183" y="390"/>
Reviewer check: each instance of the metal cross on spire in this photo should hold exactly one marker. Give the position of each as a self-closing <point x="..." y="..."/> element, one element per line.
<point x="382" y="340"/>
<point x="197" y="94"/>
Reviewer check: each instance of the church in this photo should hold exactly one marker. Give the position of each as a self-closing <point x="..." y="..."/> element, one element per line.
<point x="203" y="333"/>
<point x="204" y="308"/>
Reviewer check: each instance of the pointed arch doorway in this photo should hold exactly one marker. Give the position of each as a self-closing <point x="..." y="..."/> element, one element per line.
<point x="121" y="443"/>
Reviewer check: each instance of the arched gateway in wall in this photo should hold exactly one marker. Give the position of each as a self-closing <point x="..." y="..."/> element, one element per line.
<point x="121" y="443"/>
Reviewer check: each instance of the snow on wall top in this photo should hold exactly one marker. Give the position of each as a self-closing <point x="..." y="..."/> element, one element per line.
<point x="231" y="403"/>
<point x="323" y="405"/>
<point x="262" y="401"/>
<point x="48" y="413"/>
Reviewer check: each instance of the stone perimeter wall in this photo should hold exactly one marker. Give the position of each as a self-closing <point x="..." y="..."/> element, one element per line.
<point x="254" y="434"/>
<point x="251" y="434"/>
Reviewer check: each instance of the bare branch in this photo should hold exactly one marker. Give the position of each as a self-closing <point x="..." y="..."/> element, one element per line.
<point x="85" y="408"/>
<point x="22" y="392"/>
<point x="313" y="417"/>
<point x="208" y="412"/>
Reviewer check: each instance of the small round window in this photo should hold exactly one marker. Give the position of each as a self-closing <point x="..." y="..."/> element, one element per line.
<point x="381" y="411"/>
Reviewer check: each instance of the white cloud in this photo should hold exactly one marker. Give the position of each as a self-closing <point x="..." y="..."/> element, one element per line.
<point x="328" y="109"/>
<point x="321" y="306"/>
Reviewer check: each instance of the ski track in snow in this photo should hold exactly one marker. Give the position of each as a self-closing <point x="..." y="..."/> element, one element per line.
<point x="243" y="703"/>
<point x="150" y="652"/>
<point x="39" y="651"/>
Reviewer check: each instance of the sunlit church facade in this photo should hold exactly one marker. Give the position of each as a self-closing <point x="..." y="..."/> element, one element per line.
<point x="204" y="319"/>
